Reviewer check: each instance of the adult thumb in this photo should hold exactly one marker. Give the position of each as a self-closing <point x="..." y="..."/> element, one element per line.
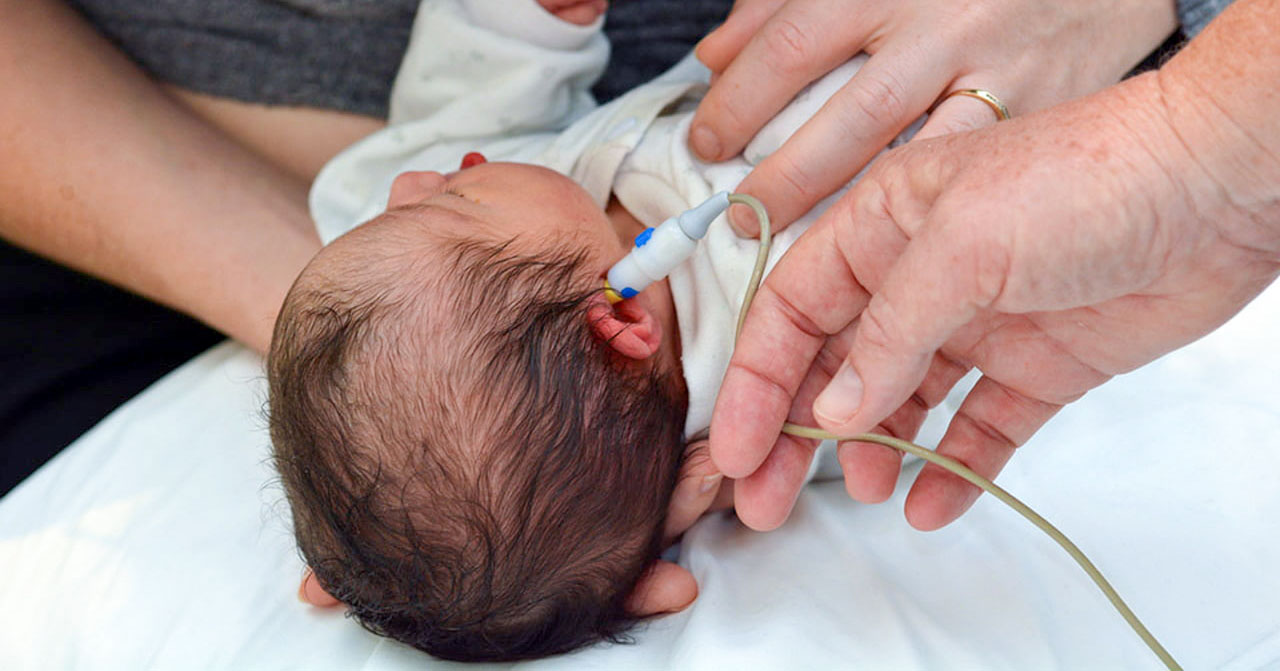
<point x="931" y="291"/>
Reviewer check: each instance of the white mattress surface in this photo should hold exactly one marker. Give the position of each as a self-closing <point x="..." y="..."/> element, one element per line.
<point x="160" y="540"/>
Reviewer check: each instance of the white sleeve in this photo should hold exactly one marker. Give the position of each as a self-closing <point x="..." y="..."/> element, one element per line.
<point x="496" y="67"/>
<point x="478" y="74"/>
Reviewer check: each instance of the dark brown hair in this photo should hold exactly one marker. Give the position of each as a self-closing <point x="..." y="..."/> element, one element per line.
<point x="486" y="482"/>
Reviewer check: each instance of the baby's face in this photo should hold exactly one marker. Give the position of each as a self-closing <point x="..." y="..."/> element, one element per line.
<point x="529" y="211"/>
<point x="535" y="207"/>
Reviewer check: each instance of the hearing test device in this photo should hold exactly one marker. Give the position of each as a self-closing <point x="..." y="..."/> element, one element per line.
<point x="660" y="249"/>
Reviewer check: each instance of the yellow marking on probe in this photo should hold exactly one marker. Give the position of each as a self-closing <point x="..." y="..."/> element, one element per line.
<point x="611" y="294"/>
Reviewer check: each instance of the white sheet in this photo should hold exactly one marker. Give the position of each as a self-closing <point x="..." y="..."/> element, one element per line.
<point x="159" y="540"/>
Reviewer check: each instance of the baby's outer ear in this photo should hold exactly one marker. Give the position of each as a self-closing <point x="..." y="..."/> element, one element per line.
<point x="312" y="592"/>
<point x="627" y="327"/>
<point x="664" y="588"/>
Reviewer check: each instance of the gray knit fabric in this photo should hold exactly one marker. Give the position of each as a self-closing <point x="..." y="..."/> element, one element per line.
<point x="337" y="54"/>
<point x="343" y="54"/>
<point x="649" y="36"/>
<point x="1196" y="14"/>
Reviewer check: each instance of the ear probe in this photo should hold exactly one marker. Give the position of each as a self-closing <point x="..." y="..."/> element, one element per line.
<point x="660" y="249"/>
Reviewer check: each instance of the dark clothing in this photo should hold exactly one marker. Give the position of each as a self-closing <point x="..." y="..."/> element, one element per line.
<point x="343" y="54"/>
<point x="333" y="54"/>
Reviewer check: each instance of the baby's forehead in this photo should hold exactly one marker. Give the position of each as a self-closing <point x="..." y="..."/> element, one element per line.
<point x="416" y="223"/>
<point x="396" y="235"/>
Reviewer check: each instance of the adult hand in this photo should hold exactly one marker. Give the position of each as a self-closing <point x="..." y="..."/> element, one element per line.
<point x="1032" y="54"/>
<point x="1052" y="252"/>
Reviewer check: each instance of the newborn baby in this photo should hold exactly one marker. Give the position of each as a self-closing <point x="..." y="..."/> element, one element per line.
<point x="477" y="447"/>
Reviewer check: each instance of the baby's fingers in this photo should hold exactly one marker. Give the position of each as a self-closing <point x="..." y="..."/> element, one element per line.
<point x="695" y="491"/>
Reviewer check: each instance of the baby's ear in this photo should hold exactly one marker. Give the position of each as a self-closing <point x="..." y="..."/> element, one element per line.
<point x="312" y="592"/>
<point x="627" y="327"/>
<point x="664" y="588"/>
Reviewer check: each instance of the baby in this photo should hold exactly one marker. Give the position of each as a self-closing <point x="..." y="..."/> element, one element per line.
<point x="478" y="447"/>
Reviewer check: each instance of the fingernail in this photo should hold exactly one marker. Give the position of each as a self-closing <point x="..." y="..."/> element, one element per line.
<point x="743" y="221"/>
<point x="840" y="400"/>
<point x="710" y="482"/>
<point x="705" y="143"/>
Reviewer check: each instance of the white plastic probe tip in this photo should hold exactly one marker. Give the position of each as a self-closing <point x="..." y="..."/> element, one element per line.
<point x="694" y="222"/>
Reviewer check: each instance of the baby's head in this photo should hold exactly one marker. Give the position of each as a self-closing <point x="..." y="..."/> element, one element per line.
<point x="478" y="449"/>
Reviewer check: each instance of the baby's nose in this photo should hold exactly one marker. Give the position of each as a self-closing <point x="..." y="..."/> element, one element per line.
<point x="412" y="187"/>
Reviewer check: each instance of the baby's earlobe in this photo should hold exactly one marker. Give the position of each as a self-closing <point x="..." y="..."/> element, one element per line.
<point x="626" y="326"/>
<point x="313" y="593"/>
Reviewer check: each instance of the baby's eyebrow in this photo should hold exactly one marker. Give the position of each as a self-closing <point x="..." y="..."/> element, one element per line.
<point x="416" y="210"/>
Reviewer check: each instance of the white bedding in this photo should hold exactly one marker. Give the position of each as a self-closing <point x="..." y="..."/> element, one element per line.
<point x="159" y="540"/>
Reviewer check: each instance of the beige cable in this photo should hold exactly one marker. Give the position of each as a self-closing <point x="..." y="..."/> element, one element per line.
<point x="945" y="462"/>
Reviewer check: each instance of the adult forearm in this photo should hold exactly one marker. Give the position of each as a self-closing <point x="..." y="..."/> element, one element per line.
<point x="104" y="172"/>
<point x="1221" y="95"/>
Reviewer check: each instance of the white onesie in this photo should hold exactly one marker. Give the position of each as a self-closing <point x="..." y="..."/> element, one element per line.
<point x="513" y="85"/>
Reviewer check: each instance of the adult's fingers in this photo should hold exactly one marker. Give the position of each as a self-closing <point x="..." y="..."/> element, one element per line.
<point x="718" y="49"/>
<point x="956" y="114"/>
<point x="936" y="286"/>
<point x="798" y="44"/>
<point x="893" y="89"/>
<point x="810" y="294"/>
<point x="696" y="490"/>
<point x="763" y="500"/>
<point x="871" y="470"/>
<point x="993" y="421"/>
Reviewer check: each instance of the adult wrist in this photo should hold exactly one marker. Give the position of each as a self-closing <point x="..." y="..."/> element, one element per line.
<point x="1218" y="98"/>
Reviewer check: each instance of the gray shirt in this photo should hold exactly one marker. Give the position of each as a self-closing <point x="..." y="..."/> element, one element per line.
<point x="343" y="54"/>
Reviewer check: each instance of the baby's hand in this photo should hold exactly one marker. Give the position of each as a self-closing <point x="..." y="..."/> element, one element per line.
<point x="701" y="489"/>
<point x="580" y="12"/>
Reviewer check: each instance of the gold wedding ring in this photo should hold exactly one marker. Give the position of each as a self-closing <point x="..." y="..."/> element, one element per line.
<point x="1002" y="112"/>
